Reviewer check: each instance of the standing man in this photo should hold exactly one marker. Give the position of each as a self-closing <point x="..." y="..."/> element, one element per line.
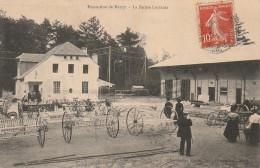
<point x="184" y="132"/>
<point x="179" y="107"/>
<point x="168" y="108"/>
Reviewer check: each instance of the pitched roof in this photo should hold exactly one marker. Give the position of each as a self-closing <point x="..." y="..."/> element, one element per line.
<point x="62" y="49"/>
<point x="66" y="49"/>
<point x="102" y="83"/>
<point x="200" y="56"/>
<point x="28" y="57"/>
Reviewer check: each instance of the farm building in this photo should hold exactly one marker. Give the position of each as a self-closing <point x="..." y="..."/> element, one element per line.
<point x="226" y="81"/>
<point x="64" y="72"/>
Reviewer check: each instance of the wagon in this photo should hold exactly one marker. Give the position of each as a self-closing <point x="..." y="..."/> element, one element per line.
<point x="75" y="120"/>
<point x="135" y="121"/>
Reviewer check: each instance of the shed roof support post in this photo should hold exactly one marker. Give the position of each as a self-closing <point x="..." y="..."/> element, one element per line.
<point x="217" y="78"/>
<point x="176" y="78"/>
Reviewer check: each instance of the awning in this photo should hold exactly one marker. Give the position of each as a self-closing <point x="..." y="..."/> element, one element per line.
<point x="102" y="83"/>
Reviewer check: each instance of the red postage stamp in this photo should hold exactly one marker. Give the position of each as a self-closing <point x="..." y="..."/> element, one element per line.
<point x="216" y="24"/>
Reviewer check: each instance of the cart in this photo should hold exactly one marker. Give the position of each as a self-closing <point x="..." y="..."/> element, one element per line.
<point x="135" y="122"/>
<point x="220" y="117"/>
<point x="75" y="120"/>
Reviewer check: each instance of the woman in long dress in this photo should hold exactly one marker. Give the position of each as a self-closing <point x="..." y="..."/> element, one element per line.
<point x="254" y="128"/>
<point x="231" y="131"/>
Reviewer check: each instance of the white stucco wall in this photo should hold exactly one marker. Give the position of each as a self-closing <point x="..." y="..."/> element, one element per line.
<point x="44" y="74"/>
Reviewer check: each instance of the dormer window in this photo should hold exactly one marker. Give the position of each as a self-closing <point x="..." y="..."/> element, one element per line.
<point x="71" y="57"/>
<point x="65" y="57"/>
<point x="77" y="57"/>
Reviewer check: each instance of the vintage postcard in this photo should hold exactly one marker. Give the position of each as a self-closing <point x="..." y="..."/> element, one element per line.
<point x="129" y="83"/>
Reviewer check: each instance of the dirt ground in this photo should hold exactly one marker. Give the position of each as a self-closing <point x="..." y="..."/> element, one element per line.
<point x="209" y="147"/>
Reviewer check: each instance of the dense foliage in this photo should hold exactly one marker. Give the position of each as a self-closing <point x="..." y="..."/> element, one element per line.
<point x="128" y="56"/>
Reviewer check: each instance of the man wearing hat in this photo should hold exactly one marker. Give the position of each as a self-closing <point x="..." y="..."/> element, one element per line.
<point x="184" y="132"/>
<point x="179" y="107"/>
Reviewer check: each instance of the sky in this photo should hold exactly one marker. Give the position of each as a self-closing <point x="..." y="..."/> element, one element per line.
<point x="172" y="29"/>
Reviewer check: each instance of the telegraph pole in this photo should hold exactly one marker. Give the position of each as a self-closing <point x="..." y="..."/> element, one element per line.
<point x="144" y="68"/>
<point x="109" y="63"/>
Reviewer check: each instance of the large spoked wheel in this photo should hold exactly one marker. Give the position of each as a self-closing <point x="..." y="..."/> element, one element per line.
<point x="171" y="124"/>
<point x="112" y="124"/>
<point x="134" y="122"/>
<point x="41" y="131"/>
<point x="211" y="119"/>
<point x="66" y="127"/>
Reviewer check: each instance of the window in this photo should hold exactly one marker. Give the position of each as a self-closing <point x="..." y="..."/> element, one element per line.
<point x="55" y="68"/>
<point x="84" y="87"/>
<point x="198" y="90"/>
<point x="223" y="91"/>
<point x="71" y="68"/>
<point x="56" y="87"/>
<point x="70" y="90"/>
<point x="85" y="69"/>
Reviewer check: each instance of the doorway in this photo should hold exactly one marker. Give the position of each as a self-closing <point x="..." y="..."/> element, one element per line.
<point x="238" y="95"/>
<point x="211" y="93"/>
<point x="185" y="89"/>
<point x="168" y="88"/>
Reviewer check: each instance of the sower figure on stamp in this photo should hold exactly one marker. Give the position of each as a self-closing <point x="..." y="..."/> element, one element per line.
<point x="168" y="108"/>
<point x="184" y="132"/>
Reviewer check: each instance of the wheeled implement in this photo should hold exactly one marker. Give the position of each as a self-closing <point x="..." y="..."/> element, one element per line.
<point x="21" y="127"/>
<point x="75" y="120"/>
<point x="135" y="122"/>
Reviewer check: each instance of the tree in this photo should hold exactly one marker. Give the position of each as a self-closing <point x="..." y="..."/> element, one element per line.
<point x="63" y="33"/>
<point x="165" y="55"/>
<point x="91" y="33"/>
<point x="128" y="39"/>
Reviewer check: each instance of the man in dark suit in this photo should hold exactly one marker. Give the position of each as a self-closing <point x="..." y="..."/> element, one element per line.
<point x="184" y="132"/>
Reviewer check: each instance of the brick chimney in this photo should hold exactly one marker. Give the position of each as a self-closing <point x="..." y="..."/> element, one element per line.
<point x="85" y="50"/>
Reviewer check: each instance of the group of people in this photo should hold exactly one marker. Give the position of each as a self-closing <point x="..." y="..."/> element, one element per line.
<point x="35" y="97"/>
<point x="252" y="131"/>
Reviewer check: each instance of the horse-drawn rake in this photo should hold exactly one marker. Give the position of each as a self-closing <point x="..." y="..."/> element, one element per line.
<point x="72" y="121"/>
<point x="135" y="122"/>
<point x="21" y="127"/>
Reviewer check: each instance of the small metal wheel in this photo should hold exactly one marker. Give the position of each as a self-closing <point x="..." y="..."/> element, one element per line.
<point x="41" y="131"/>
<point x="171" y="125"/>
<point x="112" y="121"/>
<point x="66" y="127"/>
<point x="211" y="119"/>
<point x="134" y="122"/>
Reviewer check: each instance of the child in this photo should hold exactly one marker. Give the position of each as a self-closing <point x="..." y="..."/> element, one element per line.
<point x="184" y="132"/>
<point x="168" y="108"/>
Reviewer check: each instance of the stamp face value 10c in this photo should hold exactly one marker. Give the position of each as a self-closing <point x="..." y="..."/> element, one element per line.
<point x="216" y="24"/>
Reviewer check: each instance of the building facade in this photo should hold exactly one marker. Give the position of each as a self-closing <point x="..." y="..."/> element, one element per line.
<point x="64" y="72"/>
<point x="225" y="82"/>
